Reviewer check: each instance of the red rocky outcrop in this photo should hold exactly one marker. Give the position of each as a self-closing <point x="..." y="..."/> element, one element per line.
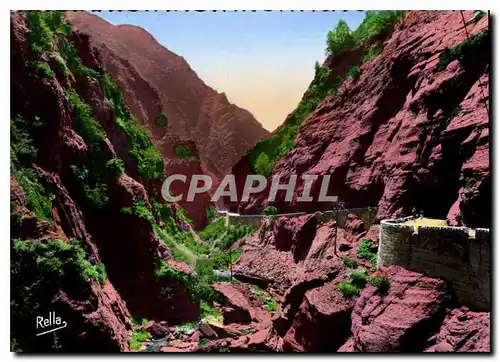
<point x="463" y="331"/>
<point x="322" y="322"/>
<point x="400" y="319"/>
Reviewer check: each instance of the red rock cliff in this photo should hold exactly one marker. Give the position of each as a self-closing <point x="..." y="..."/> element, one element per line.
<point x="404" y="134"/>
<point x="62" y="120"/>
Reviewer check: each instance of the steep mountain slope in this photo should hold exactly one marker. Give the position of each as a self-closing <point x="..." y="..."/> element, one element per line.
<point x="158" y="82"/>
<point x="409" y="129"/>
<point x="86" y="212"/>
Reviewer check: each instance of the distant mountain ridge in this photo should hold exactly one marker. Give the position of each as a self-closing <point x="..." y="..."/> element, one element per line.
<point x="156" y="81"/>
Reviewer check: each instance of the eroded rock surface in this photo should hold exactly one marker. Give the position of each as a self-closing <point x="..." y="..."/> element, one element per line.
<point x="391" y="138"/>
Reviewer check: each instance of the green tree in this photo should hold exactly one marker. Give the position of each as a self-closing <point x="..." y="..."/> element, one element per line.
<point x="263" y="165"/>
<point x="339" y="39"/>
<point x="270" y="210"/>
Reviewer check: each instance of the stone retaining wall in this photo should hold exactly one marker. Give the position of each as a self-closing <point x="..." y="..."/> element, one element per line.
<point x="366" y="214"/>
<point x="458" y="255"/>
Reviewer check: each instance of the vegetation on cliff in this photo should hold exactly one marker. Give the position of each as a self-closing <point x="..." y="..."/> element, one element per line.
<point x="464" y="52"/>
<point x="376" y="25"/>
<point x="184" y="152"/>
<point x="161" y="120"/>
<point x="41" y="266"/>
<point x="149" y="161"/>
<point x="22" y="155"/>
<point x="39" y="269"/>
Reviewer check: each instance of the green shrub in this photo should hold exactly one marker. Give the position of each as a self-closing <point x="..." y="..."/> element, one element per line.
<point x="138" y="337"/>
<point x="73" y="61"/>
<point x="101" y="274"/>
<point x="185" y="238"/>
<point x="56" y="23"/>
<point x="204" y="267"/>
<point x="182" y="215"/>
<point x="61" y="63"/>
<point x="96" y="194"/>
<point x="262" y="165"/>
<point x="55" y="258"/>
<point x="235" y="255"/>
<point x="339" y="39"/>
<point x="163" y="212"/>
<point x="208" y="310"/>
<point x="478" y="15"/>
<point x="40" y="270"/>
<point x="199" y="287"/>
<point x="349" y="262"/>
<point x="39" y="201"/>
<point x="139" y="209"/>
<point x="380" y="282"/>
<point x="140" y="323"/>
<point x="161" y="120"/>
<point x="270" y="210"/>
<point x="348" y="290"/>
<point x="468" y="182"/>
<point x="359" y="277"/>
<point x="210" y="212"/>
<point x="115" y="166"/>
<point x="354" y="72"/>
<point x="269" y="303"/>
<point x="22" y="151"/>
<point x="465" y="51"/>
<point x="203" y="342"/>
<point x="166" y="237"/>
<point x="86" y="126"/>
<point x="376" y="24"/>
<point x="87" y="72"/>
<point x="40" y="35"/>
<point x="184" y="152"/>
<point x="373" y="52"/>
<point x="39" y="69"/>
<point x="367" y="250"/>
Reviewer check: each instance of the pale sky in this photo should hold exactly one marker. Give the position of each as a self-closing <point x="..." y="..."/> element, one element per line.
<point x="263" y="61"/>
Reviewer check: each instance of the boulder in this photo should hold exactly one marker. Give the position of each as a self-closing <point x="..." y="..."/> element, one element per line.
<point x="402" y="318"/>
<point x="463" y="331"/>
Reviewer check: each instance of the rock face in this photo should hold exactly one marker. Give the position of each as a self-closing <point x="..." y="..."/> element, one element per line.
<point x="124" y="243"/>
<point x="404" y="134"/>
<point x="156" y="81"/>
<point x="463" y="331"/>
<point x="96" y="315"/>
<point x="400" y="319"/>
<point x="322" y="322"/>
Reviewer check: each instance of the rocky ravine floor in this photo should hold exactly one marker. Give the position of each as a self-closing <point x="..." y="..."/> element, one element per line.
<point x="302" y="272"/>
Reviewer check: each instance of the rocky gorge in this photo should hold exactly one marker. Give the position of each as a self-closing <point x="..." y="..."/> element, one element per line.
<point x="398" y="114"/>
